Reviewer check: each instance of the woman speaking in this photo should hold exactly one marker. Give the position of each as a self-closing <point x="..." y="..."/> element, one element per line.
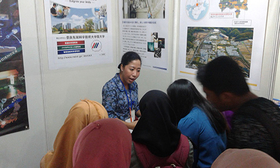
<point x="120" y="94"/>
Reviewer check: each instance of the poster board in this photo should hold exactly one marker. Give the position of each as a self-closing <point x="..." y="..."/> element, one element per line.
<point x="13" y="104"/>
<point x="79" y="32"/>
<point x="209" y="29"/>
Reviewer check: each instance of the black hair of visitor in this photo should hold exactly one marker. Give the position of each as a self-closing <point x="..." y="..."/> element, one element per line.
<point x="223" y="74"/>
<point x="128" y="57"/>
<point x="184" y="96"/>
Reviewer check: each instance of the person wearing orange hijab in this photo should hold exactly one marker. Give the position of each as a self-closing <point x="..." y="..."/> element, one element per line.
<point x="103" y="143"/>
<point x="80" y="115"/>
<point x="239" y="158"/>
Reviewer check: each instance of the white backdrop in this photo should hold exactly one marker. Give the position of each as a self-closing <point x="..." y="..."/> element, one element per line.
<point x="51" y="93"/>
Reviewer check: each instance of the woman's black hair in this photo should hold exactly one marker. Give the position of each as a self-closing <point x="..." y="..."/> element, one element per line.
<point x="128" y="57"/>
<point x="184" y="96"/>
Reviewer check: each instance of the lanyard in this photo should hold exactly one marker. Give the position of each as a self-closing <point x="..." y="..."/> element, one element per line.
<point x="129" y="105"/>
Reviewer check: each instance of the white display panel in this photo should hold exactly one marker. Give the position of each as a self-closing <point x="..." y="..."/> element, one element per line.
<point x="79" y="33"/>
<point x="209" y="29"/>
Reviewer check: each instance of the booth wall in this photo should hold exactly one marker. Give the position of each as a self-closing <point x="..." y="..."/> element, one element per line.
<point x="26" y="148"/>
<point x="62" y="88"/>
<point x="159" y="79"/>
<point x="276" y="93"/>
<point x="269" y="57"/>
<point x="51" y="93"/>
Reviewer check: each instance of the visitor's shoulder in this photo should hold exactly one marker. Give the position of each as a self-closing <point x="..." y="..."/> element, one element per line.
<point x="197" y="112"/>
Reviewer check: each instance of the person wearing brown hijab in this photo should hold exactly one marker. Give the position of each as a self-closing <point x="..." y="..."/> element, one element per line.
<point x="104" y="143"/>
<point x="240" y="158"/>
<point x="80" y="115"/>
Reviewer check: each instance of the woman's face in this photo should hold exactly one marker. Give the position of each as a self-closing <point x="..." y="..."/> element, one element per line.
<point x="130" y="72"/>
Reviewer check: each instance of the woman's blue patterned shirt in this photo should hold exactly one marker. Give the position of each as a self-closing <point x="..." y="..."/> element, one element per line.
<point x="114" y="98"/>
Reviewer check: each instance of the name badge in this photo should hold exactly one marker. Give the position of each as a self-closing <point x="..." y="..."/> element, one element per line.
<point x="132" y="117"/>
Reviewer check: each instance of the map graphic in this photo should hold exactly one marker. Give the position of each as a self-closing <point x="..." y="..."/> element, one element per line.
<point x="234" y="4"/>
<point x="197" y="9"/>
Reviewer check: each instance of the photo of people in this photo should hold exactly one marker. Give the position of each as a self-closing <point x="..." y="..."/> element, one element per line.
<point x="144" y="9"/>
<point x="156" y="44"/>
<point x="10" y="38"/>
<point x="59" y="11"/>
<point x="78" y="20"/>
<point x="161" y="42"/>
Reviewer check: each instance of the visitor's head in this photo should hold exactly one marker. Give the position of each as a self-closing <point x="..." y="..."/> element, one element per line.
<point x="183" y="95"/>
<point x="221" y="77"/>
<point x="157" y="127"/>
<point x="103" y="143"/>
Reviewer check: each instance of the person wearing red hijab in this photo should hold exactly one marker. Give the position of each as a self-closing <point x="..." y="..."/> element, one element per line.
<point x="103" y="143"/>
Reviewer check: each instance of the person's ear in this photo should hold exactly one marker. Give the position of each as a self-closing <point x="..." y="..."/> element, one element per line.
<point x="226" y="97"/>
<point x="122" y="67"/>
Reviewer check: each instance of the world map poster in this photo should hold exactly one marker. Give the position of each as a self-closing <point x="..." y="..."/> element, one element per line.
<point x="232" y="28"/>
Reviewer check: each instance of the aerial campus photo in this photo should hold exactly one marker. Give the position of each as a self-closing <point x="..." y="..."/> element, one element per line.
<point x="206" y="43"/>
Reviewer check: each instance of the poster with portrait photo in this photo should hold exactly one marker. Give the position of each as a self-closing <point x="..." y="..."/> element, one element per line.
<point x="13" y="105"/>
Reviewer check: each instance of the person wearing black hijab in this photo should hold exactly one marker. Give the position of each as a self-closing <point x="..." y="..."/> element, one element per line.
<point x="156" y="139"/>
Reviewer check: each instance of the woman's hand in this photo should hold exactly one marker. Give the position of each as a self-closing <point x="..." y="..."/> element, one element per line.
<point x="129" y="125"/>
<point x="138" y="113"/>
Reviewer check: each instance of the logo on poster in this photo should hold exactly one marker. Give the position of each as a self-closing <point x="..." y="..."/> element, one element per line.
<point x="96" y="45"/>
